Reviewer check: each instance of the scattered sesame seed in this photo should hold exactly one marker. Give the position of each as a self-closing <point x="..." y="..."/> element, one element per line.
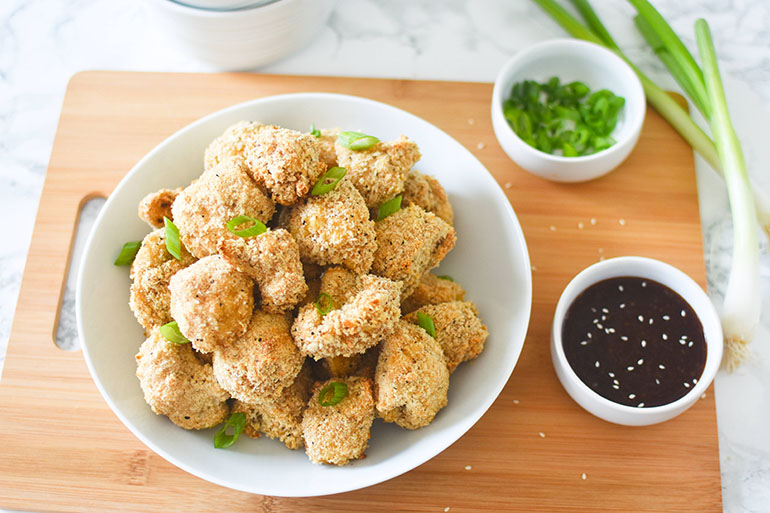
<point x="541" y="434"/>
<point x="644" y="284"/>
<point x="583" y="342"/>
<point x="664" y="336"/>
<point x="630" y="368"/>
<point x="601" y="250"/>
<point x="694" y="381"/>
<point x="666" y="317"/>
<point x="595" y="321"/>
<point x="611" y="330"/>
<point x="593" y="220"/>
<point x="605" y="310"/>
<point x="682" y="341"/>
<point x="622" y="305"/>
<point x="508" y="185"/>
<point x="552" y="228"/>
<point x="481" y="146"/>
<point x="515" y="401"/>
<point x="620" y="288"/>
<point x="447" y="508"/>
<point x="601" y="327"/>
<point x="657" y="381"/>
<point x="624" y="338"/>
<point x="686" y="385"/>
<point x="616" y="387"/>
<point x="583" y="476"/>
<point x="640" y="405"/>
<point x="622" y="222"/>
<point x="593" y="309"/>
<point x="471" y="121"/>
<point x="580" y="226"/>
<point x="650" y="320"/>
<point x="689" y="345"/>
<point x="589" y="335"/>
<point x="468" y="467"/>
<point x="611" y="374"/>
<point x="641" y="318"/>
<point x="640" y="361"/>
<point x="682" y="313"/>
<point x="604" y="317"/>
<point x="596" y="364"/>
<point x="601" y="259"/>
<point x="703" y="395"/>
<point x="662" y="367"/>
<point x="616" y="382"/>
<point x="534" y="268"/>
<point x="631" y="396"/>
<point x="644" y="343"/>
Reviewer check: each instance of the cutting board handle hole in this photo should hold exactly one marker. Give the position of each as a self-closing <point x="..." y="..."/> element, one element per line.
<point x="66" y="329"/>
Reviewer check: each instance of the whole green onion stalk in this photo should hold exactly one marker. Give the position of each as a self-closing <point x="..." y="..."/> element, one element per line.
<point x="749" y="206"/>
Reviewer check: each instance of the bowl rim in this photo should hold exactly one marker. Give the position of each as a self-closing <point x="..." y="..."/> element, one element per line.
<point x="567" y="45"/>
<point x="185" y="9"/>
<point x="686" y="288"/>
<point x="463" y="426"/>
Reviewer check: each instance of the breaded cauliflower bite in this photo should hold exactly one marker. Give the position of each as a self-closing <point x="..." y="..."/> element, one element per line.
<point x="211" y="302"/>
<point x="459" y="331"/>
<point x="153" y="267"/>
<point x="157" y="205"/>
<point x="432" y="290"/>
<point x="280" y="418"/>
<point x="411" y="380"/>
<point x="327" y="153"/>
<point x="230" y="145"/>
<point x="262" y="362"/>
<point x="286" y="161"/>
<point x="339" y="433"/>
<point x="272" y="260"/>
<point x="203" y="209"/>
<point x="362" y="317"/>
<point x="379" y="172"/>
<point x="334" y="228"/>
<point x="426" y="192"/>
<point x="176" y="384"/>
<point x="409" y="244"/>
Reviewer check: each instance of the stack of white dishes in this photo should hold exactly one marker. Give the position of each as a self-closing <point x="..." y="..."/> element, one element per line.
<point x="240" y="34"/>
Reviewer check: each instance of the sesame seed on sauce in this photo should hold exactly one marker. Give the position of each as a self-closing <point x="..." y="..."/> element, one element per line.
<point x="653" y="371"/>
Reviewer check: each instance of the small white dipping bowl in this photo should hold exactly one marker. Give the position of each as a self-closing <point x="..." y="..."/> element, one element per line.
<point x="241" y="39"/>
<point x="570" y="60"/>
<point x="674" y="279"/>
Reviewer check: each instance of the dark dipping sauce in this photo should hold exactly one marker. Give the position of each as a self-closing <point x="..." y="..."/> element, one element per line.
<point x="634" y="341"/>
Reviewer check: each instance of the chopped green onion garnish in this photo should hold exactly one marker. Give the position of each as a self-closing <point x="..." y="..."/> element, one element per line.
<point x="171" y="333"/>
<point x="325" y="304"/>
<point x="336" y="389"/>
<point x="257" y="228"/>
<point x="314" y="131"/>
<point x="328" y="181"/>
<point x="172" y="239"/>
<point x="237" y="422"/>
<point x="128" y="253"/>
<point x="356" y="140"/>
<point x="426" y="322"/>
<point x="445" y="277"/>
<point x="389" y="207"/>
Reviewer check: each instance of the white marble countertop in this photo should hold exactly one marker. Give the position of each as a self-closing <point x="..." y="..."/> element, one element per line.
<point x="43" y="42"/>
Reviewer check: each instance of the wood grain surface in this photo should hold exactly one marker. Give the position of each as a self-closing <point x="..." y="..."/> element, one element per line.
<point x="64" y="450"/>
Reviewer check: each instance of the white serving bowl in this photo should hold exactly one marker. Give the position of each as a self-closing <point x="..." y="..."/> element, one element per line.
<point x="222" y="5"/>
<point x="111" y="336"/>
<point x="244" y="38"/>
<point x="674" y="279"/>
<point x="570" y="60"/>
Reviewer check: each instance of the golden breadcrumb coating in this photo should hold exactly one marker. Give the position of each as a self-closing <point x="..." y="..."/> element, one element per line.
<point x="409" y="244"/>
<point x="426" y="192"/>
<point x="339" y="433"/>
<point x="362" y="364"/>
<point x="334" y="228"/>
<point x="260" y="363"/>
<point x="157" y="205"/>
<point x="379" y="172"/>
<point x="211" y="302"/>
<point x="272" y="260"/>
<point x="153" y="267"/>
<point x="176" y="384"/>
<point x="411" y="380"/>
<point x="327" y="153"/>
<point x="432" y="290"/>
<point x="354" y="326"/>
<point x="459" y="330"/>
<point x="286" y="161"/>
<point x="230" y="144"/>
<point x="202" y="209"/>
<point x="280" y="418"/>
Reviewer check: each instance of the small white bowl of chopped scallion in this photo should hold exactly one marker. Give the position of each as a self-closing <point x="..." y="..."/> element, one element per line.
<point x="567" y="110"/>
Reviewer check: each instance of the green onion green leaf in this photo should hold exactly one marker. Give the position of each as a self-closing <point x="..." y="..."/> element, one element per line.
<point x="337" y="390"/>
<point x="356" y="140"/>
<point x="128" y="253"/>
<point x="426" y="322"/>
<point x="236" y="424"/>
<point x="172" y="239"/>
<point x="445" y="277"/>
<point x="314" y="131"/>
<point x="328" y="181"/>
<point x="325" y="304"/>
<point x="257" y="227"/>
<point x="171" y="333"/>
<point x="389" y="207"/>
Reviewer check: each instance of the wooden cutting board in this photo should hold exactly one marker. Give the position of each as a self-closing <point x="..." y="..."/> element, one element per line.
<point x="64" y="450"/>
